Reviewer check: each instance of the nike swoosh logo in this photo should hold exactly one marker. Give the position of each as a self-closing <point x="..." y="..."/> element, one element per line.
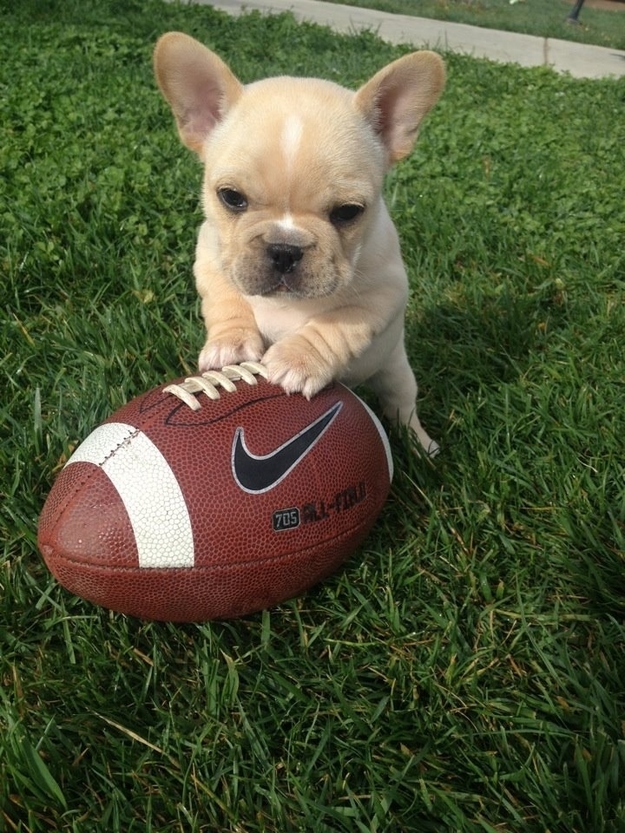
<point x="257" y="474"/>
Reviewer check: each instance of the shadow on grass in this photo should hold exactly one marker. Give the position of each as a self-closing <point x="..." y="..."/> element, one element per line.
<point x="507" y="369"/>
<point x="479" y="340"/>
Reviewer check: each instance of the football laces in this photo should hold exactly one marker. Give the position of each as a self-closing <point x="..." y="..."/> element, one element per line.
<point x="211" y="381"/>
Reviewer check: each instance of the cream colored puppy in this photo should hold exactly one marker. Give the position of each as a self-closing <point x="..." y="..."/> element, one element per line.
<point x="298" y="262"/>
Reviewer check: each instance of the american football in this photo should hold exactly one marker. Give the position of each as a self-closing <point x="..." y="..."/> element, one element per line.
<point x="215" y="496"/>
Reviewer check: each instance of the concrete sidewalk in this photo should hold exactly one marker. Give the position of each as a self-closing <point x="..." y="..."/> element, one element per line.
<point x="507" y="47"/>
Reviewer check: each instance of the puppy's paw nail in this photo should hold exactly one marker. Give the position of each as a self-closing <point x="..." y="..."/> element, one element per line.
<point x="217" y="354"/>
<point x="427" y="447"/>
<point x="312" y="387"/>
<point x="433" y="449"/>
<point x="293" y="382"/>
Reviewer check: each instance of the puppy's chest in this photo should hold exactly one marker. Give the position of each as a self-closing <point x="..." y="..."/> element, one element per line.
<point x="276" y="320"/>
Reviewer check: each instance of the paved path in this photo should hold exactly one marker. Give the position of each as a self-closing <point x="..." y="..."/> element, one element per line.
<point x="580" y="60"/>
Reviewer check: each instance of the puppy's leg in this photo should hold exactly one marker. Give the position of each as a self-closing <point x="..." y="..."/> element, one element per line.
<point x="396" y="387"/>
<point x="306" y="361"/>
<point x="232" y="335"/>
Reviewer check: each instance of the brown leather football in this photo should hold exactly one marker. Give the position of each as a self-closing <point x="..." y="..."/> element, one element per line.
<point x="215" y="496"/>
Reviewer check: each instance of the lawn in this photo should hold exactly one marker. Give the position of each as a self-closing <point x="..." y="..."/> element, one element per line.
<point x="543" y="18"/>
<point x="465" y="671"/>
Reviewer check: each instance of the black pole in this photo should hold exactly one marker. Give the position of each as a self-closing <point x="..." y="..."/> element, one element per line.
<point x="572" y="18"/>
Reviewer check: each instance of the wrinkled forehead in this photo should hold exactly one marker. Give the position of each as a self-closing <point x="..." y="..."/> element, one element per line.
<point x="292" y="132"/>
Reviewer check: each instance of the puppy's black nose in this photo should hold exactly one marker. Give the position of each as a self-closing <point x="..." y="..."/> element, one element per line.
<point x="284" y="257"/>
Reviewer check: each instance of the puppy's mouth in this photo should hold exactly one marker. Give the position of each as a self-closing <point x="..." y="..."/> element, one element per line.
<point x="294" y="290"/>
<point x="287" y="272"/>
<point x="284" y="289"/>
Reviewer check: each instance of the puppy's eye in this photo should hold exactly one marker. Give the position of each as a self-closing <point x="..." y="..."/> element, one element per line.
<point x="343" y="214"/>
<point x="232" y="199"/>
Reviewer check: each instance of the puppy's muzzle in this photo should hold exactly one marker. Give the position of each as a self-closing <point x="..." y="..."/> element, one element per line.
<point x="284" y="257"/>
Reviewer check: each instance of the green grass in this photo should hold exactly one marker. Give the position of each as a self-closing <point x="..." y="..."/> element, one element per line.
<point x="464" y="673"/>
<point x="543" y="18"/>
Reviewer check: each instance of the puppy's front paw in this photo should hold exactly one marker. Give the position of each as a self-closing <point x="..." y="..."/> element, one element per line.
<point x="238" y="346"/>
<point x="297" y="367"/>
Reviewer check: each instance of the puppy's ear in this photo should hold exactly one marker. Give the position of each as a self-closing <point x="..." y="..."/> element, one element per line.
<point x="197" y="84"/>
<point x="397" y="98"/>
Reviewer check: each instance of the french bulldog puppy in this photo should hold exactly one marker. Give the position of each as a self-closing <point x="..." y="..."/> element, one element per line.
<point x="298" y="263"/>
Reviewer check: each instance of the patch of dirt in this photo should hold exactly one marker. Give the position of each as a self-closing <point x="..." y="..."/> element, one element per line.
<point x="604" y="5"/>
